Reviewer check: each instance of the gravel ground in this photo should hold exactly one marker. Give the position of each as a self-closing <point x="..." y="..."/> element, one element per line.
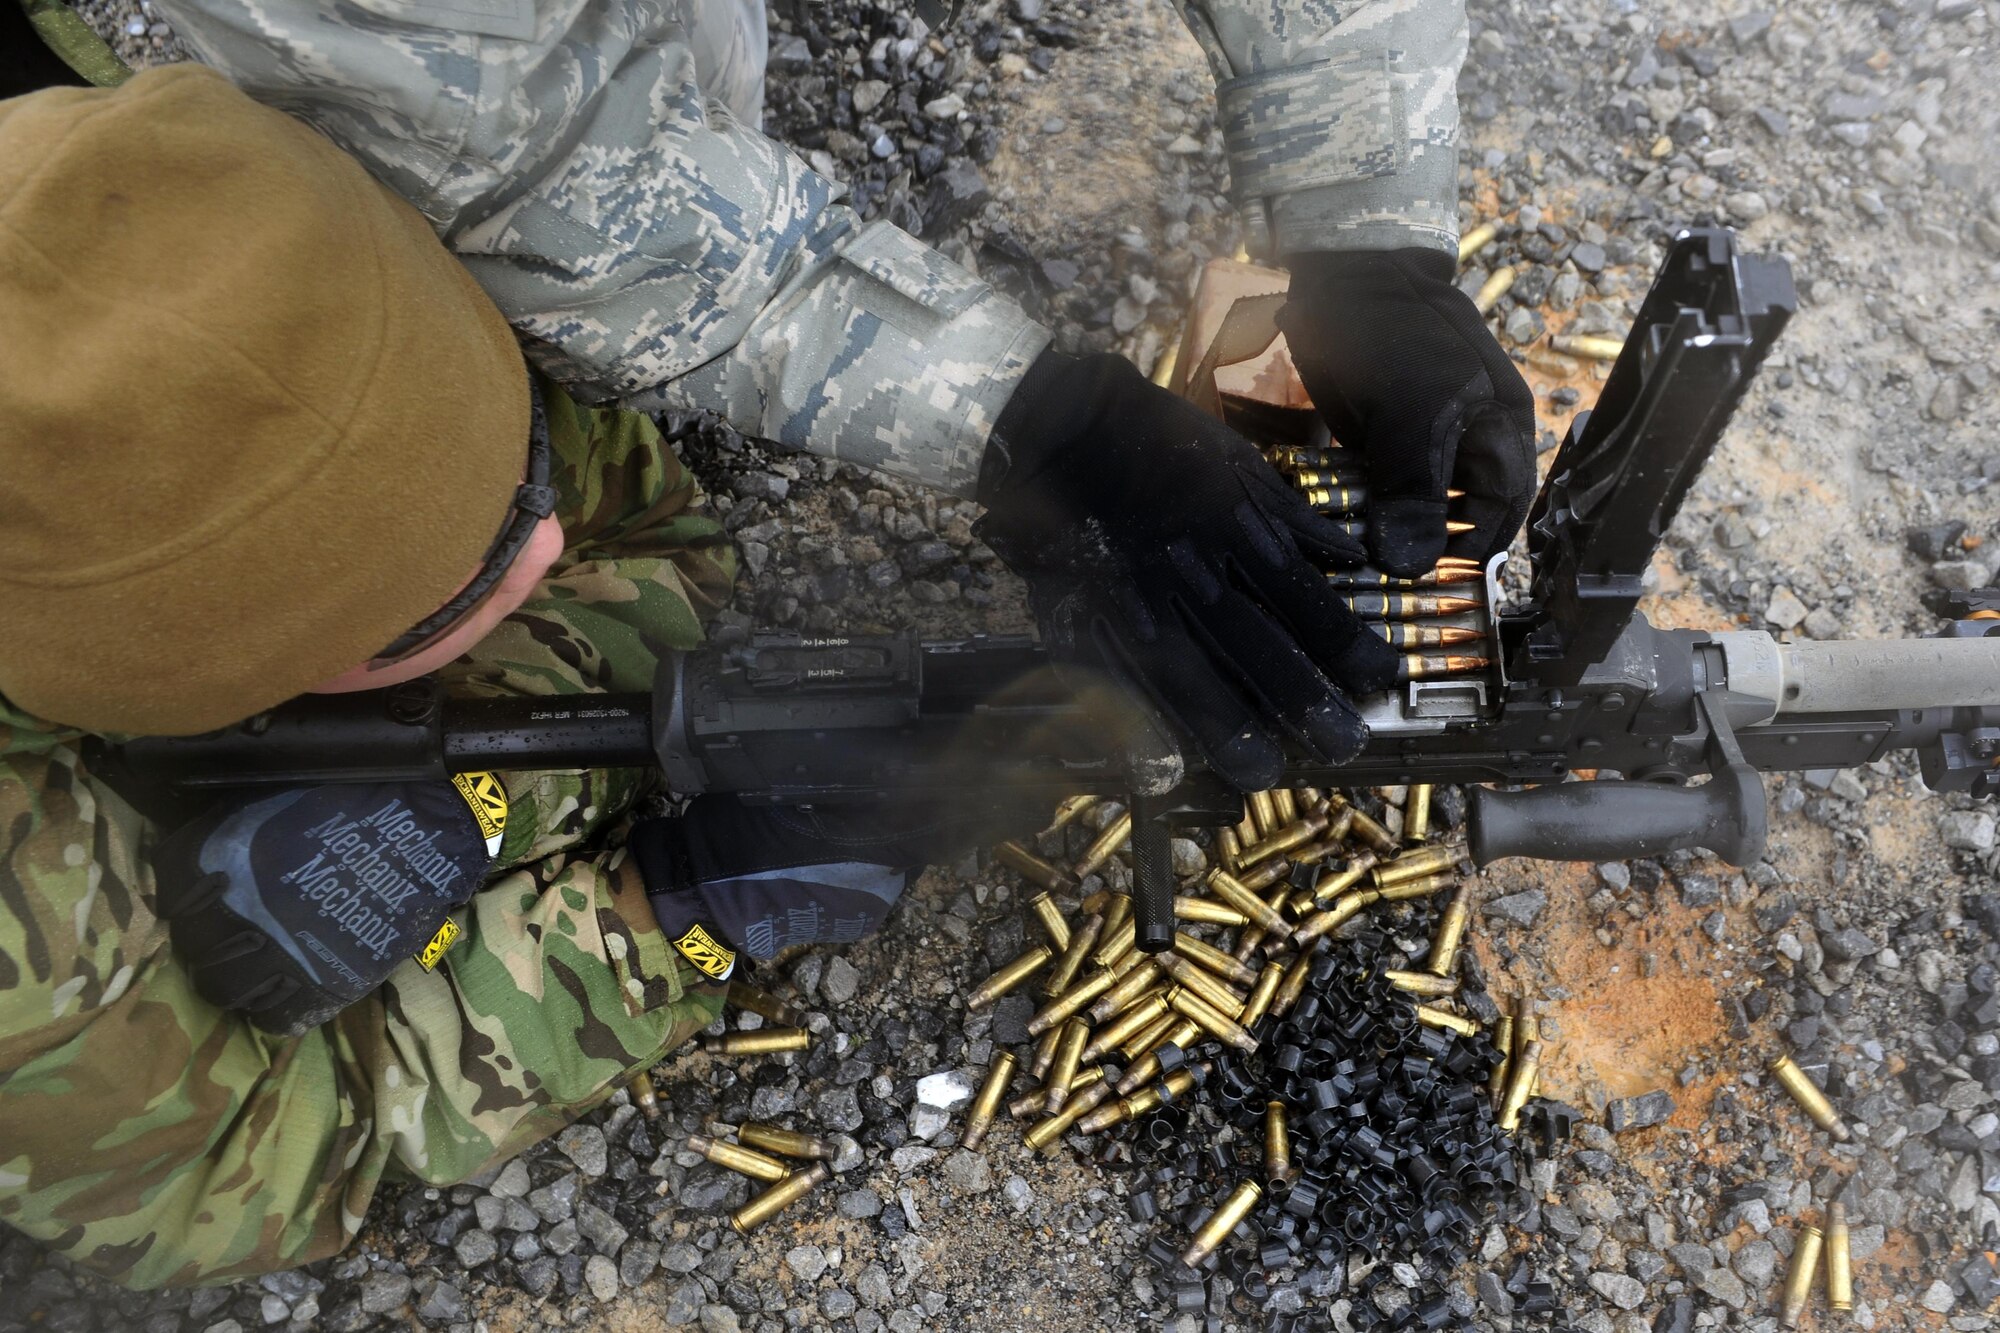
<point x="1067" y="150"/>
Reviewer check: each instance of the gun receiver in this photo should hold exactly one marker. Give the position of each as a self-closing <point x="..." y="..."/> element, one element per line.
<point x="1581" y="681"/>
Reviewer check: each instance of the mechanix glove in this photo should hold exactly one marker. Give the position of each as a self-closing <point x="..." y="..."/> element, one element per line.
<point x="725" y="877"/>
<point x="1402" y="368"/>
<point x="290" y="906"/>
<point x="1163" y="551"/>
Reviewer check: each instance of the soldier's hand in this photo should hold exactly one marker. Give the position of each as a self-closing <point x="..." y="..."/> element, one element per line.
<point x="1403" y="369"/>
<point x="1163" y="551"/>
<point x="724" y="876"/>
<point x="289" y="906"/>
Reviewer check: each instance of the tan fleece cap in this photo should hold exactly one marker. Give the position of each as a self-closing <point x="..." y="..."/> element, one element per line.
<point x="255" y="420"/>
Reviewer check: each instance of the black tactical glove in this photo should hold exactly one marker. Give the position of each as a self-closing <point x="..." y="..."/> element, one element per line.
<point x="724" y="876"/>
<point x="290" y="906"/>
<point x="1160" y="548"/>
<point x="1401" y="366"/>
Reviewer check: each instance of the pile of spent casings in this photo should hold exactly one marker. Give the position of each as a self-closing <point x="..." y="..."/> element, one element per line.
<point x="1286" y="1101"/>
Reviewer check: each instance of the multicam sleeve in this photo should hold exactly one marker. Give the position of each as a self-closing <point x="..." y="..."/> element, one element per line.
<point x="1341" y="121"/>
<point x="646" y="244"/>
<point x="157" y="1140"/>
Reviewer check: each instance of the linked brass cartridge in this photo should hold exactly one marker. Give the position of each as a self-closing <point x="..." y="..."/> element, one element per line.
<point x="1355" y="527"/>
<point x="1438" y="666"/>
<point x="1410" y="605"/>
<point x="1377" y="580"/>
<point x="1402" y="634"/>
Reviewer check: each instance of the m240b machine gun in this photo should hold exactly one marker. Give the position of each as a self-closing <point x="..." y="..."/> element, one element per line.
<point x="1579" y="680"/>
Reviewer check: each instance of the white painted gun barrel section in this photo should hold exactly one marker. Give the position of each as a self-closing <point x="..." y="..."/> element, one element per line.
<point x="1848" y="675"/>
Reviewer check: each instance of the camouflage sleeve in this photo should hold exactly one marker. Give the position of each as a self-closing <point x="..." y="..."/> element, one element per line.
<point x="157" y="1140"/>
<point x="1341" y="123"/>
<point x="646" y="244"/>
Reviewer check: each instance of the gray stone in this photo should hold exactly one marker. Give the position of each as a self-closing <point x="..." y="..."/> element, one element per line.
<point x="684" y="1304"/>
<point x="555" y="1201"/>
<point x="600" y="1228"/>
<point x="1938" y="1298"/>
<point x="1638" y="1112"/>
<point x="1724" y="1286"/>
<point x="719" y="1319"/>
<point x="968" y="1172"/>
<point x="601" y="1276"/>
<point x="838" y="1303"/>
<point x="873" y="1287"/>
<point x="1961" y="575"/>
<point x="1522" y="909"/>
<point x="584" y="1145"/>
<point x="1588" y="256"/>
<point x="807" y="1262"/>
<point x="1847" y="946"/>
<point x="1967" y="830"/>
<point x="1756" y="1263"/>
<point x="1018" y="1193"/>
<point x="1621" y="1290"/>
<point x="384" y="1293"/>
<point x="860" y="1204"/>
<point x="562" y="1238"/>
<point x="841" y="981"/>
<point x="440" y="1302"/>
<point x="1784" y="609"/>
<point x="637" y="1261"/>
<point x="512" y="1182"/>
<point x="680" y="1257"/>
<point x="476" y="1247"/>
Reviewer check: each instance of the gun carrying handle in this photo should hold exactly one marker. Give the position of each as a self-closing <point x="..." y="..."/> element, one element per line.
<point x="1618" y="820"/>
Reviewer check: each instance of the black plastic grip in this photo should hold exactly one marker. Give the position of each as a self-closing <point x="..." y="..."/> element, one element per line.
<point x="1152" y="880"/>
<point x="1617" y="820"/>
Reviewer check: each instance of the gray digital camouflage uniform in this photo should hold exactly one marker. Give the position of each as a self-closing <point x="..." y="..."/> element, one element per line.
<point x="652" y="246"/>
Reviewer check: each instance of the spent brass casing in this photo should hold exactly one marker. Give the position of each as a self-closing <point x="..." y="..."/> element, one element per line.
<point x="1416" y="862"/>
<point x="1370" y="830"/>
<point x="787" y="1142"/>
<point x="1232" y="891"/>
<point x="1081" y="941"/>
<point x="776" y="1199"/>
<point x="1379" y="580"/>
<point x="1810" y="1099"/>
<point x="1029" y="1105"/>
<point x="1184" y="1034"/>
<point x="1163" y="369"/>
<point x="1520" y="1086"/>
<point x="1263" y="813"/>
<point x="1284" y="804"/>
<point x="1527" y="1026"/>
<point x="1071" y="1002"/>
<point x="1839" y="1259"/>
<point x="1206" y="955"/>
<point x="1146" y="1038"/>
<point x="1401" y="634"/>
<point x="1069" y="1057"/>
<point x="1297" y="974"/>
<point x="1405" y="889"/>
<point x="1277" y="1143"/>
<point x="1009" y="977"/>
<point x="1114" y="835"/>
<point x="1051" y="920"/>
<point x="1261" y="994"/>
<point x="1033" y="868"/>
<point x="1114" y="942"/>
<point x="1045" y="1135"/>
<point x="1494" y="288"/>
<point x="1591" y="349"/>
<point x="1211" y="988"/>
<point x="1417" y="809"/>
<point x="1327" y="920"/>
<point x="1799" y="1277"/>
<point x="764" y="1004"/>
<point x="1227" y="848"/>
<point x="987" y="1104"/>
<point x="1419" y="983"/>
<point x="1125" y="1026"/>
<point x="764" y="1041"/>
<point x="1211" y="1020"/>
<point x="1336" y="882"/>
<point x="1225" y="1219"/>
<point x="1116" y="914"/>
<point x="1291" y="836"/>
<point x="741" y="1160"/>
<point x="1437" y="666"/>
<point x="1252" y="938"/>
<point x="1207" y="911"/>
<point x="1451" y="933"/>
<point x="1069" y="809"/>
<point x="1045" y="1053"/>
<point x="1143" y="1102"/>
<point x="1445" y="1021"/>
<point x="1259" y="878"/>
<point x="1472" y="242"/>
<point x="1410" y="605"/>
<point x="1127" y="990"/>
<point x="1503" y="1041"/>
<point x="644" y="1094"/>
<point x="1246" y="828"/>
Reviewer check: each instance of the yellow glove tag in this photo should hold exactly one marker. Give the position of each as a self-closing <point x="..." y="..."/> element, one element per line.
<point x="447" y="935"/>
<point x="487" y="800"/>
